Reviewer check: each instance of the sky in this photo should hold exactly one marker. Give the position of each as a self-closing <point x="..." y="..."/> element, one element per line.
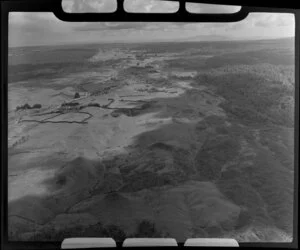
<point x="34" y="29"/>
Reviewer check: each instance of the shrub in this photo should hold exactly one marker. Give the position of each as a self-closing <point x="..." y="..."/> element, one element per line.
<point x="36" y="106"/>
<point x="115" y="113"/>
<point x="147" y="229"/>
<point x="96" y="230"/>
<point x="25" y="106"/>
<point x="144" y="229"/>
<point x="70" y="104"/>
<point x="115" y="232"/>
<point x="245" y="218"/>
<point x="61" y="180"/>
<point x="93" y="104"/>
<point x="51" y="234"/>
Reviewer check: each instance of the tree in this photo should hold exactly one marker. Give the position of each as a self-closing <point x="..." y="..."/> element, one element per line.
<point x="147" y="229"/>
<point x="76" y="95"/>
<point x="36" y="106"/>
<point x="26" y="106"/>
<point x="93" y="104"/>
<point x="115" y="232"/>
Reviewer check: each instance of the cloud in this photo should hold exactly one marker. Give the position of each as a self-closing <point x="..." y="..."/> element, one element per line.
<point x="81" y="6"/>
<point x="35" y="22"/>
<point x="134" y="26"/>
<point x="274" y="19"/>
<point x="286" y="20"/>
<point x="150" y="6"/>
<point x="265" y="20"/>
<point x="211" y="8"/>
<point x="44" y="28"/>
<point x="144" y="6"/>
<point x="110" y="26"/>
<point x="27" y="28"/>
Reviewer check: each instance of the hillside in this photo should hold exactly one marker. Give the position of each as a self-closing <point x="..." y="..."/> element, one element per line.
<point x="162" y="140"/>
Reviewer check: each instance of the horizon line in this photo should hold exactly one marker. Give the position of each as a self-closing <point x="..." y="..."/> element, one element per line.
<point x="162" y="41"/>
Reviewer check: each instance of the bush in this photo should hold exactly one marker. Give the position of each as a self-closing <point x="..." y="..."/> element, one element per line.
<point x="36" y="106"/>
<point x="96" y="230"/>
<point x="147" y="229"/>
<point x="245" y="219"/>
<point x="92" y="104"/>
<point x="25" y="106"/>
<point x="115" y="113"/>
<point x="71" y="104"/>
<point x="114" y="232"/>
<point x="61" y="180"/>
<point x="56" y="235"/>
<point x="144" y="229"/>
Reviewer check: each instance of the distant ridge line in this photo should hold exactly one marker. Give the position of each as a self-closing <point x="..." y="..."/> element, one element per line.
<point x="153" y="42"/>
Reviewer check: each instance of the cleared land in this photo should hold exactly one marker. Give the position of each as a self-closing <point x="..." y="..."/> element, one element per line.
<point x="165" y="140"/>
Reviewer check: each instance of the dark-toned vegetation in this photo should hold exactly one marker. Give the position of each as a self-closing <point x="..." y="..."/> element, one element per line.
<point x="36" y="106"/>
<point x="94" y="104"/>
<point x="27" y="106"/>
<point x="214" y="154"/>
<point x="142" y="180"/>
<point x="131" y="111"/>
<point x="97" y="230"/>
<point x="144" y="229"/>
<point x="70" y="104"/>
<point x="147" y="229"/>
<point x="279" y="57"/>
<point x="256" y="95"/>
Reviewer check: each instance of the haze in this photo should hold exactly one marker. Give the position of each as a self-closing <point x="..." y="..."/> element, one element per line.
<point x="33" y="29"/>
